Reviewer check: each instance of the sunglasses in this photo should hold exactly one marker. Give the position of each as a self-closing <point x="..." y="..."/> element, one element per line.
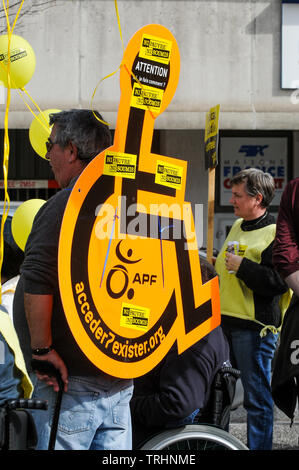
<point x="49" y="145"/>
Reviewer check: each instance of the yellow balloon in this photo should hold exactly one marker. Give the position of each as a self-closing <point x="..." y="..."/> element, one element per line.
<point x="22" y="61"/>
<point x="40" y="130"/>
<point x="22" y="220"/>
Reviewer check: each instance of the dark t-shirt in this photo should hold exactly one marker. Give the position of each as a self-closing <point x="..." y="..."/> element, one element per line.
<point x="180" y="384"/>
<point x="39" y="275"/>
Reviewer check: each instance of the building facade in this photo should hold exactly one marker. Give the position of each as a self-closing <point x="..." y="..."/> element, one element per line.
<point x="232" y="54"/>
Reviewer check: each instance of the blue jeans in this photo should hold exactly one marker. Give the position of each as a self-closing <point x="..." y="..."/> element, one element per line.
<point x="95" y="414"/>
<point x="10" y="376"/>
<point x="253" y="355"/>
<point x="184" y="421"/>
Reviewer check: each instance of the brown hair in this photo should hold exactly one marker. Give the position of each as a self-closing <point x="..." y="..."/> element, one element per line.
<point x="256" y="182"/>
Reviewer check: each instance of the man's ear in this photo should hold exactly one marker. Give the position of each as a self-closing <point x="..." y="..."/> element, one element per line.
<point x="73" y="152"/>
<point x="259" y="198"/>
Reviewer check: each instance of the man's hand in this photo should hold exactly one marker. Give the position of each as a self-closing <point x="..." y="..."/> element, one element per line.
<point x="54" y="358"/>
<point x="38" y="309"/>
<point x="232" y="262"/>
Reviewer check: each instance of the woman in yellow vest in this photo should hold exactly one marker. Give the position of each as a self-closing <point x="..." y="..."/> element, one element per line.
<point x="14" y="379"/>
<point x="250" y="290"/>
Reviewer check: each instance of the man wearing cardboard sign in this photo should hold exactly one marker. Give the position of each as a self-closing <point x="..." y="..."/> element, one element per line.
<point x="129" y="268"/>
<point x="85" y="421"/>
<point x="129" y="272"/>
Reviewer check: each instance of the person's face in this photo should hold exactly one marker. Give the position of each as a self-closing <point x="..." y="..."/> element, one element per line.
<point x="244" y="206"/>
<point x="58" y="159"/>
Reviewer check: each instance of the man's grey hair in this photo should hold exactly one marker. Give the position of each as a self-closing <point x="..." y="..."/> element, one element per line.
<point x="83" y="129"/>
<point x="256" y="182"/>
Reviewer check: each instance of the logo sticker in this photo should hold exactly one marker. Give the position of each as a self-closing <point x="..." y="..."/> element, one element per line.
<point x="156" y="49"/>
<point x="147" y="97"/>
<point x="133" y="316"/>
<point x="120" y="164"/>
<point x="169" y="175"/>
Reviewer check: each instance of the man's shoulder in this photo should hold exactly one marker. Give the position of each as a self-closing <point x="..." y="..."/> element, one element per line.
<point x="48" y="220"/>
<point x="56" y="203"/>
<point x="292" y="185"/>
<point x="215" y="339"/>
<point x="294" y="181"/>
<point x="61" y="195"/>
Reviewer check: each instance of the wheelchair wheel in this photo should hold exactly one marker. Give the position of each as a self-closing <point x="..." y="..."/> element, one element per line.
<point x="194" y="437"/>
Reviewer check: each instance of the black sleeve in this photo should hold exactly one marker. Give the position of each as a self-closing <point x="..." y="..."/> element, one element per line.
<point x="261" y="277"/>
<point x="40" y="269"/>
<point x="286" y="246"/>
<point x="182" y="387"/>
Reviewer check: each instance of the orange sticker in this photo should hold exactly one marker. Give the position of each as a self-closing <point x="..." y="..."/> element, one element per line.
<point x="129" y="269"/>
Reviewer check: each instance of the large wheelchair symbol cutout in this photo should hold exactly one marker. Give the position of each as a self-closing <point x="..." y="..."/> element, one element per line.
<point x="129" y="269"/>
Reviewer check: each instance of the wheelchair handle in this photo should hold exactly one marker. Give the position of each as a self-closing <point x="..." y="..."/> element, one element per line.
<point x="26" y="403"/>
<point x="48" y="368"/>
<point x="231" y="370"/>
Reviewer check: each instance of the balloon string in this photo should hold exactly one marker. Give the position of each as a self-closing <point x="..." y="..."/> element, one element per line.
<point x="6" y="9"/>
<point x="6" y="148"/>
<point x="45" y="126"/>
<point x="107" y="76"/>
<point x="118" y="22"/>
<point x="26" y="93"/>
<point x="17" y="15"/>
<point x="111" y="74"/>
<point x="10" y="31"/>
<point x="20" y="90"/>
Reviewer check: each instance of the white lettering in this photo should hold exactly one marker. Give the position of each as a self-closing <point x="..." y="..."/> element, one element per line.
<point x="294" y="357"/>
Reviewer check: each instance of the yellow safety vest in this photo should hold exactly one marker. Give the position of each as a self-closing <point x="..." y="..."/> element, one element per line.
<point x="236" y="298"/>
<point x="8" y="331"/>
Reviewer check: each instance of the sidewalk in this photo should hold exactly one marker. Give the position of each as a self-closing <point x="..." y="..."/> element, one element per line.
<point x="284" y="436"/>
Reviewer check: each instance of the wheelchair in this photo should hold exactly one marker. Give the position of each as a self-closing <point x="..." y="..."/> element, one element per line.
<point x="209" y="431"/>
<point x="17" y="427"/>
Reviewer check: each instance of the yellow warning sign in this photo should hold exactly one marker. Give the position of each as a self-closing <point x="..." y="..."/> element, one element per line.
<point x="120" y="164"/>
<point x="169" y="175"/>
<point x="146" y="97"/>
<point x="156" y="49"/>
<point x="129" y="271"/>
<point x="211" y="137"/>
<point x="136" y="317"/>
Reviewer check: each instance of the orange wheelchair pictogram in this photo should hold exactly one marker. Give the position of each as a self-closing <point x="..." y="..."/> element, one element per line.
<point x="129" y="268"/>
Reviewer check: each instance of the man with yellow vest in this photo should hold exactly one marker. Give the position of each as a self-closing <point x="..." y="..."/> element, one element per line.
<point x="250" y="290"/>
